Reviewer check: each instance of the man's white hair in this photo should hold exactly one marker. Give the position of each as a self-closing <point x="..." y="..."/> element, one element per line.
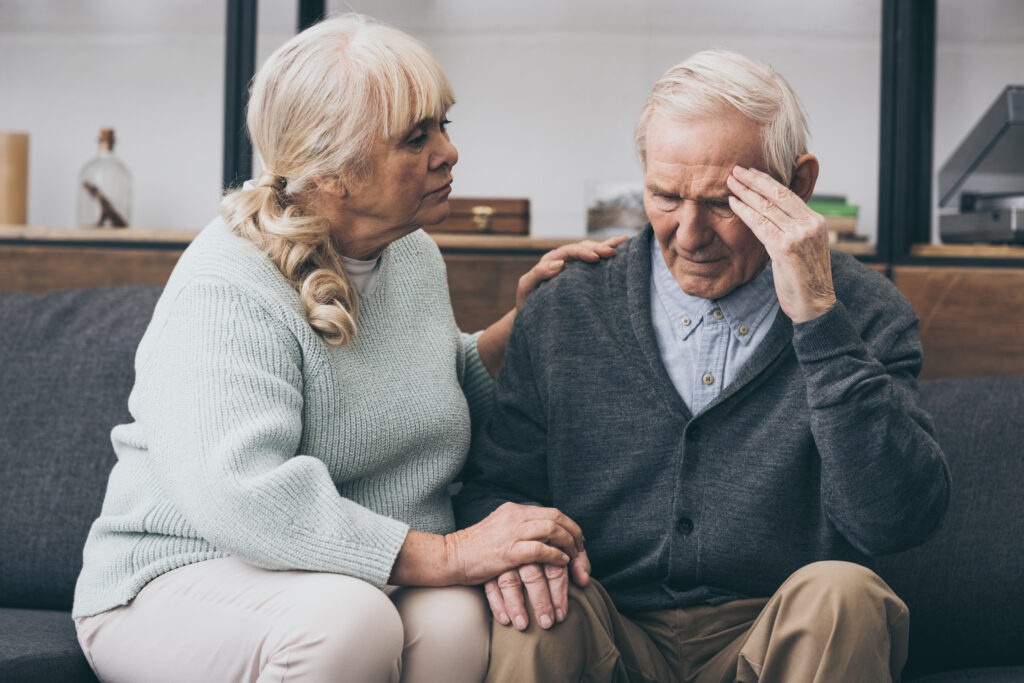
<point x="713" y="82"/>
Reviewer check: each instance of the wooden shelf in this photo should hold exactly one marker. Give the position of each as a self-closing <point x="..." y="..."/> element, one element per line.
<point x="96" y="236"/>
<point x="508" y="243"/>
<point x="995" y="251"/>
<point x="149" y="237"/>
<point x="446" y="241"/>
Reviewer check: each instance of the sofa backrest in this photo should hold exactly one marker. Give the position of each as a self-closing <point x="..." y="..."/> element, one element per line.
<point x="66" y="369"/>
<point x="965" y="586"/>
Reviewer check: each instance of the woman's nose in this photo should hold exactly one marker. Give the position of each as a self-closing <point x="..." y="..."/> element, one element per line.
<point x="446" y="154"/>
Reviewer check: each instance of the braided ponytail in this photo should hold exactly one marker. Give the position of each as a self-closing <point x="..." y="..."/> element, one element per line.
<point x="301" y="248"/>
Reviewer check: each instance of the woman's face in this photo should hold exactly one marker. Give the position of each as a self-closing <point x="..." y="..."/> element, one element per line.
<point x="406" y="188"/>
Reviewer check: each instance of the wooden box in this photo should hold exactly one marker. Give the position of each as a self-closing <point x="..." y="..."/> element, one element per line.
<point x="486" y="216"/>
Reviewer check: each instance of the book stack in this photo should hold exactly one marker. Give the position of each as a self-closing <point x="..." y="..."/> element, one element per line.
<point x="840" y="217"/>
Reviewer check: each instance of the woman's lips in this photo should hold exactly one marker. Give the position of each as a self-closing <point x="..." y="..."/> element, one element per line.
<point x="445" y="189"/>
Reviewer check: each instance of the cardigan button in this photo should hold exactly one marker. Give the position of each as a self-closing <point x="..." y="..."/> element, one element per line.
<point x="685" y="526"/>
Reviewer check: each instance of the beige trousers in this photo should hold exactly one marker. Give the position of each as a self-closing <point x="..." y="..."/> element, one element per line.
<point x="224" y="620"/>
<point x="829" y="622"/>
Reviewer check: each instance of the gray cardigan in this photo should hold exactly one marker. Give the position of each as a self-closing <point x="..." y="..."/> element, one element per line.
<point x="818" y="450"/>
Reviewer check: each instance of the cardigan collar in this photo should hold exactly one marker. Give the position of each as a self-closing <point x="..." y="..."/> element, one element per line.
<point x="638" y="296"/>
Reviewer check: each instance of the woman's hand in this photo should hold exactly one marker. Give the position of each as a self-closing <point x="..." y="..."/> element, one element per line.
<point x="491" y="344"/>
<point x="546" y="586"/>
<point x="511" y="536"/>
<point x="552" y="263"/>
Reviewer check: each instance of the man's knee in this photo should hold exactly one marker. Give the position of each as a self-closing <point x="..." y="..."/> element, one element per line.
<point x="848" y="589"/>
<point x="586" y="621"/>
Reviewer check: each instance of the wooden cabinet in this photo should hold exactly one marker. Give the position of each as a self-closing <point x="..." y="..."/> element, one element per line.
<point x="483" y="270"/>
<point x="972" y="318"/>
<point x="46" y="259"/>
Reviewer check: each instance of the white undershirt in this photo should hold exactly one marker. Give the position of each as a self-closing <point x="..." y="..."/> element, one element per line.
<point x="362" y="273"/>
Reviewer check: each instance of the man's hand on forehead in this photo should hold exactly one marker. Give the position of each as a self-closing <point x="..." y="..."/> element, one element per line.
<point x="795" y="238"/>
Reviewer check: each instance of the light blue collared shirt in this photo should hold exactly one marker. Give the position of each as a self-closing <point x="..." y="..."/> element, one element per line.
<point x="704" y="343"/>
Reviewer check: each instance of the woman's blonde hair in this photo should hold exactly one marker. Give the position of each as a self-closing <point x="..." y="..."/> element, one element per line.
<point x="316" y="107"/>
<point x="713" y="82"/>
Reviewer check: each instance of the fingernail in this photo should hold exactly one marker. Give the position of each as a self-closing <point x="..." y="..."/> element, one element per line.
<point x="559" y="615"/>
<point x="503" y="619"/>
<point x="545" y="621"/>
<point x="520" y="623"/>
<point x="555" y="265"/>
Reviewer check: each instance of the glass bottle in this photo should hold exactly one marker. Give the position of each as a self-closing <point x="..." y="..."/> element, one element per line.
<point x="104" y="188"/>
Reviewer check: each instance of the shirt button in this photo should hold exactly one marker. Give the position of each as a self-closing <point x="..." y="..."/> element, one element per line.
<point x="708" y="378"/>
<point x="744" y="329"/>
<point x="718" y="314"/>
<point x="685" y="321"/>
<point x="685" y="526"/>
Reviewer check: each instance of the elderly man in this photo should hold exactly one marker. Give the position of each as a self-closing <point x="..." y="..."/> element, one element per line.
<point x="727" y="409"/>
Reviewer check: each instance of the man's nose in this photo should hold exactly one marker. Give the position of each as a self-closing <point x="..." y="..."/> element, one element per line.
<point x="694" y="231"/>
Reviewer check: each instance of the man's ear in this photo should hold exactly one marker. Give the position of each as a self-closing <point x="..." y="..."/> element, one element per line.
<point x="330" y="185"/>
<point x="805" y="175"/>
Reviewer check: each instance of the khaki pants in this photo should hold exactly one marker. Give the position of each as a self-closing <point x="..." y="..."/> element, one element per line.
<point x="829" y="622"/>
<point x="224" y="620"/>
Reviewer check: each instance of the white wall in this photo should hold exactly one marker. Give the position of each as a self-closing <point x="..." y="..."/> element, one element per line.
<point x="548" y="90"/>
<point x="152" y="71"/>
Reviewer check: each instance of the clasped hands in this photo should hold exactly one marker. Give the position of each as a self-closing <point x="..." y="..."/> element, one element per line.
<point x="517" y="548"/>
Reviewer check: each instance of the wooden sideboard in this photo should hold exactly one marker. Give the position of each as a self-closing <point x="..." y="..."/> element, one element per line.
<point x="483" y="270"/>
<point x="972" y="318"/>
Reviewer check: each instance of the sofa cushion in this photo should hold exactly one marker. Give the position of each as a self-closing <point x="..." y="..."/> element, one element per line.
<point x="67" y="363"/>
<point x="965" y="586"/>
<point x="1002" y="674"/>
<point x="39" y="646"/>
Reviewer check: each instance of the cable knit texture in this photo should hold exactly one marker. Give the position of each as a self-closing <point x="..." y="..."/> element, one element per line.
<point x="252" y="437"/>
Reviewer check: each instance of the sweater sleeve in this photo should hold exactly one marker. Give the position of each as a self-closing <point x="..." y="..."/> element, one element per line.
<point x="219" y="400"/>
<point x="884" y="480"/>
<point x="477" y="384"/>
<point x="508" y="460"/>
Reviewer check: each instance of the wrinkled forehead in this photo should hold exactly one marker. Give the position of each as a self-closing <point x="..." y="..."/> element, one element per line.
<point x="700" y="155"/>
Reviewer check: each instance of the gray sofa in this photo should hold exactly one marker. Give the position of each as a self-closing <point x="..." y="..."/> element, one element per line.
<point x="66" y="364"/>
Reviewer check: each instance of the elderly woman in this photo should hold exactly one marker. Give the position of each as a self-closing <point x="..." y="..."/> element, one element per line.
<point x="303" y="400"/>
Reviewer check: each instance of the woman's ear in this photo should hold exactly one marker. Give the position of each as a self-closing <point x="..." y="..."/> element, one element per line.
<point x="331" y="186"/>
<point x="805" y="175"/>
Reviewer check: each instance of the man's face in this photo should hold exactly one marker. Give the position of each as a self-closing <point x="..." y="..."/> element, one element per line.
<point x="706" y="247"/>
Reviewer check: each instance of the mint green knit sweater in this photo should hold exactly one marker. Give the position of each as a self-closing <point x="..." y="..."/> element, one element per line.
<point x="254" y="438"/>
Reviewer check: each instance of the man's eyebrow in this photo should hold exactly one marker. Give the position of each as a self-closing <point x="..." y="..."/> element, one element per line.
<point x="660" y="191"/>
<point x="655" y="189"/>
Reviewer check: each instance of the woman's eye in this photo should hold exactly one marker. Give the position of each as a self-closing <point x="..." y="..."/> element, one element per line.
<point x="444" y="125"/>
<point x="418" y="141"/>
